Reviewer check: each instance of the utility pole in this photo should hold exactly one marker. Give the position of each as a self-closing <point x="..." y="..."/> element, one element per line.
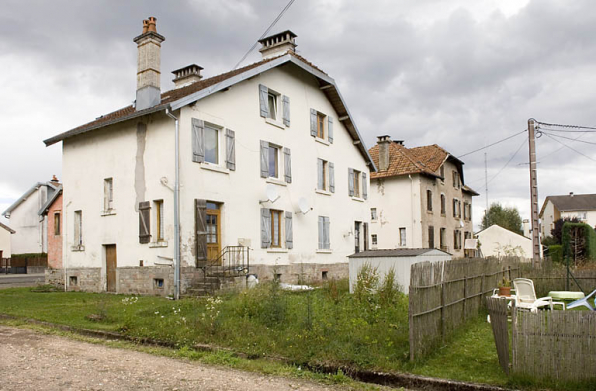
<point x="534" y="193"/>
<point x="486" y="181"/>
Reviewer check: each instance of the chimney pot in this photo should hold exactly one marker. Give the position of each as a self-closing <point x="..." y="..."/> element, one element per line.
<point x="278" y="44"/>
<point x="145" y="26"/>
<point x="54" y="179"/>
<point x="152" y="24"/>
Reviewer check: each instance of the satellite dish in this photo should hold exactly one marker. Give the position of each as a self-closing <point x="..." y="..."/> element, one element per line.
<point x="303" y="205"/>
<point x="272" y="194"/>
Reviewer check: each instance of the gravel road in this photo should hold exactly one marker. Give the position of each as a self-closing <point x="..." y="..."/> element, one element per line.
<point x="33" y="361"/>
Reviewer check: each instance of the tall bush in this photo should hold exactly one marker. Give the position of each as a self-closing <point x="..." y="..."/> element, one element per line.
<point x="589" y="249"/>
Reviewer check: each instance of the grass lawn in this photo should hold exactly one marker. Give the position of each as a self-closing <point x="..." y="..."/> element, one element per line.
<point x="324" y="326"/>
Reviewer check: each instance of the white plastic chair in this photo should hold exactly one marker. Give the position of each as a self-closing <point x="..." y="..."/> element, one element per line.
<point x="525" y="297"/>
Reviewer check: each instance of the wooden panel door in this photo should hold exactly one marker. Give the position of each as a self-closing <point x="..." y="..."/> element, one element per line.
<point x="111" y="265"/>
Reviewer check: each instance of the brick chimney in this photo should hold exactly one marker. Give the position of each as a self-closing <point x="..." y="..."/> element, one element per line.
<point x="383" y="142"/>
<point x="187" y="75"/>
<point x="278" y="44"/>
<point x="148" y="65"/>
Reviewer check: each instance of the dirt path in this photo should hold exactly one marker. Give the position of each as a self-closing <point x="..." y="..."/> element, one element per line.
<point x="35" y="361"/>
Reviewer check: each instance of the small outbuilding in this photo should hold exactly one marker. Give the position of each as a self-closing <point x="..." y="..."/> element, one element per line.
<point x="399" y="259"/>
<point x="5" y="249"/>
<point x="496" y="241"/>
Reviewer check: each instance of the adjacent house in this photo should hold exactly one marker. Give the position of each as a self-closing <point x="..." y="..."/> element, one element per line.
<point x="419" y="198"/>
<point x="263" y="164"/>
<point x="581" y="206"/>
<point x="496" y="241"/>
<point x="5" y="247"/>
<point x="27" y="220"/>
<point x="52" y="211"/>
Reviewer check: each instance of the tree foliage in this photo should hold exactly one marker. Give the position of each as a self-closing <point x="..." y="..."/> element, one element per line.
<point x="506" y="217"/>
<point x="557" y="231"/>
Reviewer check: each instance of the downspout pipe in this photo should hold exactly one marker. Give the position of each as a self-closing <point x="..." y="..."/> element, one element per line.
<point x="176" y="207"/>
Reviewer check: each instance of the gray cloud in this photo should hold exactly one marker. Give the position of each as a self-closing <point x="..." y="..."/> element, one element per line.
<point x="456" y="73"/>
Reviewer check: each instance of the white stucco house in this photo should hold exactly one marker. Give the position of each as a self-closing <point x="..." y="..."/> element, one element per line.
<point x="5" y="238"/>
<point x="496" y="241"/>
<point x="580" y="206"/>
<point x="418" y="198"/>
<point x="26" y="218"/>
<point x="269" y="160"/>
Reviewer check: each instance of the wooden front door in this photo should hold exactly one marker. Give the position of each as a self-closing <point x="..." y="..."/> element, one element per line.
<point x="111" y="267"/>
<point x="213" y="229"/>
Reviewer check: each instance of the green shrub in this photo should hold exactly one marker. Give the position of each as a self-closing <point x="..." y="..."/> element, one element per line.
<point x="555" y="252"/>
<point x="589" y="249"/>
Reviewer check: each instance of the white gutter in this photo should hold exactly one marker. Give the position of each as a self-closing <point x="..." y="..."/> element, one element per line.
<point x="176" y="209"/>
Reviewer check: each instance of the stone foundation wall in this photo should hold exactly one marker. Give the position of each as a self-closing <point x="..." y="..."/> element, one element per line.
<point x="55" y="277"/>
<point x="304" y="273"/>
<point x="159" y="280"/>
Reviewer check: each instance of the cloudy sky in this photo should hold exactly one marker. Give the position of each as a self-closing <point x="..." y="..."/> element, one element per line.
<point x="459" y="73"/>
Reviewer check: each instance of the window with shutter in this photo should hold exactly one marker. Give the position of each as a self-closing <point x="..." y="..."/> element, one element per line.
<point x="287" y="165"/>
<point x="265" y="228"/>
<point x="330" y="129"/>
<point x="198" y="140"/>
<point x="351" y="182"/>
<point x="364" y="186"/>
<point x="286" y="110"/>
<point x="429" y="200"/>
<point x="159" y="220"/>
<point x="108" y="194"/>
<point x="78" y="228"/>
<point x="264" y="101"/>
<point x="331" y="177"/>
<point x="264" y="159"/>
<point x="324" y="242"/>
<point x="443" y="207"/>
<point x="431" y="237"/>
<point x="313" y="122"/>
<point x="323" y="175"/>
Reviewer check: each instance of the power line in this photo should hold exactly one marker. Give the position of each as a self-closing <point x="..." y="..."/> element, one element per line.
<point x="283" y="11"/>
<point x="558" y="149"/>
<point x="490" y="145"/>
<point x="565" y="131"/>
<point x="566" y="126"/>
<point x="567" y="138"/>
<point x="509" y="161"/>
<point x="573" y="149"/>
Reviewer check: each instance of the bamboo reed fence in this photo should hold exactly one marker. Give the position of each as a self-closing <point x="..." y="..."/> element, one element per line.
<point x="559" y="345"/>
<point x="444" y="295"/>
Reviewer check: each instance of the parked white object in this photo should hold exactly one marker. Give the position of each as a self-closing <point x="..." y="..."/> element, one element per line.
<point x="525" y="297"/>
<point x="292" y="287"/>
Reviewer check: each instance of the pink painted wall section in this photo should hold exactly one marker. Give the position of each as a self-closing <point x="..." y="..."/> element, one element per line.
<point x="54" y="240"/>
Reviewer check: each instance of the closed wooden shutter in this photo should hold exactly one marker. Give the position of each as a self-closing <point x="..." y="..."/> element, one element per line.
<point x="201" y="229"/>
<point x="144" y="222"/>
<point x="351" y="182"/>
<point x="289" y="231"/>
<point x="320" y="179"/>
<point x="263" y="101"/>
<point x="364" y="186"/>
<point x="265" y="228"/>
<point x="264" y="159"/>
<point x="326" y="240"/>
<point x="365" y="231"/>
<point x="286" y="110"/>
<point x="287" y="165"/>
<point x="313" y="122"/>
<point x="331" y="177"/>
<point x="198" y="140"/>
<point x="321" y="233"/>
<point x="230" y="149"/>
<point x="330" y="129"/>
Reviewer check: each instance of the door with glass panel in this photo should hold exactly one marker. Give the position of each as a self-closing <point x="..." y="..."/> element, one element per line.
<point x="213" y="229"/>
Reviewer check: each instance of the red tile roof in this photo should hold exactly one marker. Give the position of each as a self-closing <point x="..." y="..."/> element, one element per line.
<point x="404" y="161"/>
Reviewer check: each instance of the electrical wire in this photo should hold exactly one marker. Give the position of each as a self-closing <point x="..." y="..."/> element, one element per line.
<point x="558" y="149"/>
<point x="490" y="145"/>
<point x="573" y="149"/>
<point x="567" y="138"/>
<point x="508" y="161"/>
<point x="283" y="11"/>
<point x="502" y="168"/>
<point x="566" y="126"/>
<point x="565" y="131"/>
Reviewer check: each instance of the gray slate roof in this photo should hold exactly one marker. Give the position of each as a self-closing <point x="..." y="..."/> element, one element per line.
<point x="567" y="203"/>
<point x="395" y="252"/>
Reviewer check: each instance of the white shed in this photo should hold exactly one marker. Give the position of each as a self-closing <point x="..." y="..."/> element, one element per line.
<point x="400" y="259"/>
<point x="5" y="248"/>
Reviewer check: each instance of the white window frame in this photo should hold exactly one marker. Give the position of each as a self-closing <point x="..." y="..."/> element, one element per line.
<point x="281" y="224"/>
<point x="403" y="237"/>
<point x="219" y="151"/>
<point x="274" y="114"/>
<point x="326" y="185"/>
<point x="323" y="116"/>
<point x="373" y="214"/>
<point x="357" y="184"/>
<point x="108" y="195"/>
<point x="78" y="231"/>
<point x="279" y="161"/>
<point x="328" y="235"/>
